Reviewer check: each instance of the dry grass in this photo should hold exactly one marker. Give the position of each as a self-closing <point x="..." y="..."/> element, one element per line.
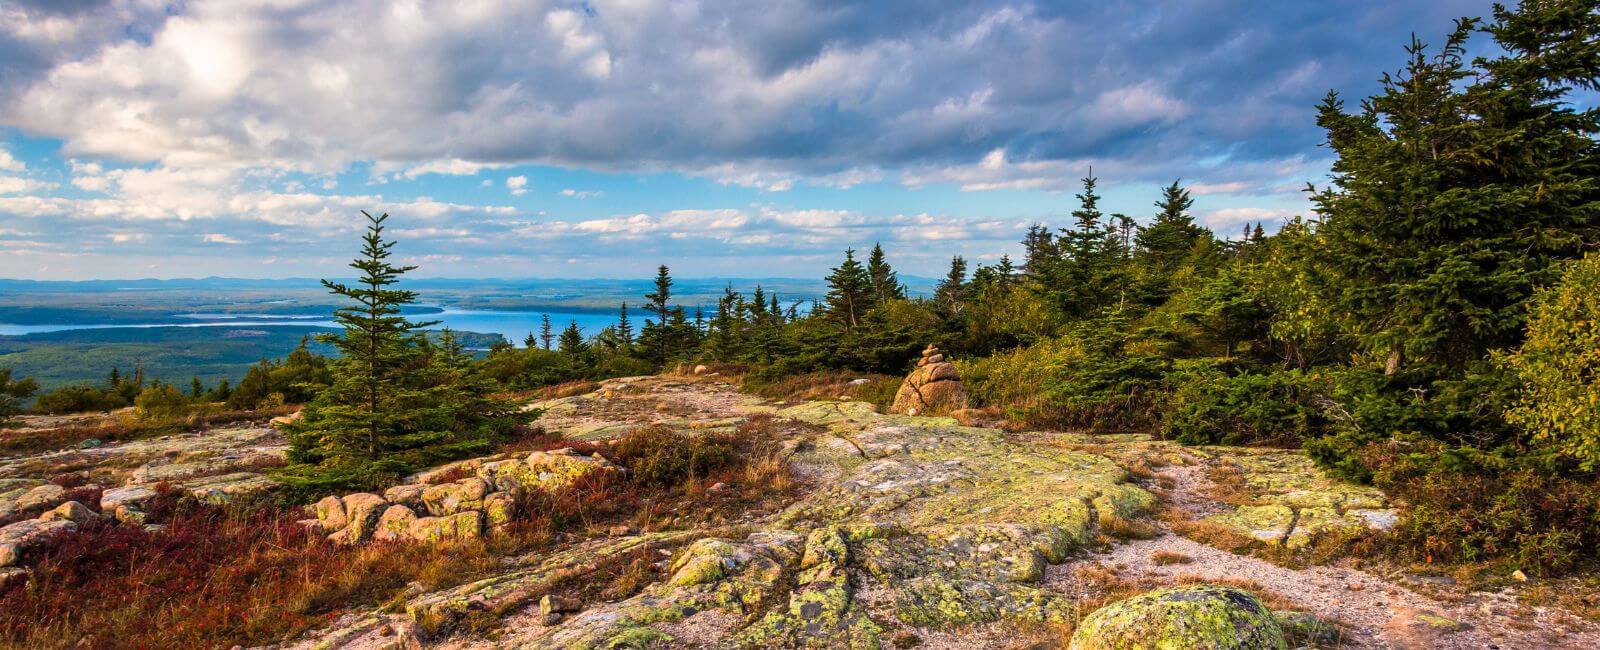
<point x="1115" y="527"/>
<point x="121" y="426"/>
<point x="250" y="575"/>
<point x="1228" y="485"/>
<point x="1165" y="558"/>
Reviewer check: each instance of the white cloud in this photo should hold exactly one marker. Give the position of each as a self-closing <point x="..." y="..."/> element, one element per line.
<point x="10" y="163"/>
<point x="1226" y="220"/>
<point x="18" y="185"/>
<point x="1202" y="189"/>
<point x="518" y="185"/>
<point x="582" y="194"/>
<point x="219" y="238"/>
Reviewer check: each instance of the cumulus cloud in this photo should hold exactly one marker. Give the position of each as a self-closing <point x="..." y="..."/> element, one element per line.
<point x="518" y="185"/>
<point x="10" y="163"/>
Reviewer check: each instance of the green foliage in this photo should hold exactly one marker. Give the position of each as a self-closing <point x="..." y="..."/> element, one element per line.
<point x="79" y="398"/>
<point x="663" y="457"/>
<point x="397" y="402"/>
<point x="1212" y="403"/>
<point x="850" y="292"/>
<point x="295" y="380"/>
<point x="12" y="391"/>
<point x="162" y="403"/>
<point x="1466" y="505"/>
<point x="1559" y="365"/>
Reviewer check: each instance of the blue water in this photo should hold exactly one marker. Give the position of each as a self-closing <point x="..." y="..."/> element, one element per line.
<point x="514" y="325"/>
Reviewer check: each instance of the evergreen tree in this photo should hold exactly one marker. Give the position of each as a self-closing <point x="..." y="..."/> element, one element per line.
<point x="12" y="392"/>
<point x="624" y="327"/>
<point x="885" y="282"/>
<point x="572" y="342"/>
<point x="1456" y="188"/>
<point x="953" y="287"/>
<point x="1168" y="238"/>
<point x="849" y="291"/>
<point x="195" y="389"/>
<point x="530" y="341"/>
<point x="384" y="413"/>
<point x="1041" y="252"/>
<point x="657" y="336"/>
<point x="545" y="333"/>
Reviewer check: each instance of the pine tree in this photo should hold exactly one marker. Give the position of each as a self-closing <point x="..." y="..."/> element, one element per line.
<point x="546" y="335"/>
<point x="531" y="341"/>
<point x="572" y="342"/>
<point x="1040" y="251"/>
<point x="195" y="389"/>
<point x="625" y="327"/>
<point x="383" y="414"/>
<point x="1173" y="232"/>
<point x="885" y="282"/>
<point x="12" y="392"/>
<point x="952" y="289"/>
<point x="1456" y="188"/>
<point x="849" y="291"/>
<point x="656" y="336"/>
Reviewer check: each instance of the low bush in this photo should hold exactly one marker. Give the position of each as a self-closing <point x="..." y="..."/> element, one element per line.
<point x="1530" y="512"/>
<point x="878" y="390"/>
<point x="161" y="403"/>
<point x="660" y="456"/>
<point x="81" y="398"/>
<point x="1210" y="406"/>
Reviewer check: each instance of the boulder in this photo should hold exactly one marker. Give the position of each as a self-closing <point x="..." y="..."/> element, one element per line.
<point x="1200" y="616"/>
<point x="330" y="514"/>
<point x="552" y="470"/>
<point x="126" y="504"/>
<point x="394" y="524"/>
<point x="462" y="525"/>
<point x="70" y="511"/>
<point x="22" y="539"/>
<point x="933" y="388"/>
<point x="406" y="495"/>
<point x="451" y="498"/>
<point x="499" y="509"/>
<point x="363" y="510"/>
<point x="41" y="498"/>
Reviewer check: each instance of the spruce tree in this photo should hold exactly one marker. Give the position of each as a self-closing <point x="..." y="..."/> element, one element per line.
<point x="656" y="336"/>
<point x="1457" y="187"/>
<point x="12" y="392"/>
<point x="545" y="332"/>
<point x="885" y="282"/>
<point x="1172" y="233"/>
<point x="572" y="342"/>
<point x="849" y="291"/>
<point x="952" y="288"/>
<point x="384" y="413"/>
<point x="624" y="327"/>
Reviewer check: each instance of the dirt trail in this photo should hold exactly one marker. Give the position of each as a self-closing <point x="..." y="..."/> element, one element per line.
<point x="1372" y="610"/>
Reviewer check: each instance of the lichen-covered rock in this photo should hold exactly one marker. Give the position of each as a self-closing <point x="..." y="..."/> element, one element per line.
<point x="409" y="495"/>
<point x="1211" y="617"/>
<point x="451" y="498"/>
<point x="1270" y="523"/>
<point x="362" y="509"/>
<point x="330" y="514"/>
<point x="933" y="388"/>
<point x="499" y="509"/>
<point x="70" y="511"/>
<point x="12" y="489"/>
<point x="462" y="525"/>
<point x="41" y="498"/>
<point x="20" y="540"/>
<point x="553" y="470"/>
<point x="226" y="487"/>
<point x="394" y="524"/>
<point x="126" y="504"/>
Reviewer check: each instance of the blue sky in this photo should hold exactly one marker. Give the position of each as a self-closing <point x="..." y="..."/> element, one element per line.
<point x="514" y="138"/>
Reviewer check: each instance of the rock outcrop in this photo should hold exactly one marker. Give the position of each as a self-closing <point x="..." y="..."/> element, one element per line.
<point x="435" y="508"/>
<point x="933" y="388"/>
<point x="1202" y="616"/>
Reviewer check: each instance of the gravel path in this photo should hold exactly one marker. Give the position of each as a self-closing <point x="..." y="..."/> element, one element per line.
<point x="1373" y="611"/>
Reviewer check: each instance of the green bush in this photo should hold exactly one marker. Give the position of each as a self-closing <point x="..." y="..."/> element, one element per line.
<point x="659" y="456"/>
<point x="1210" y="406"/>
<point x="1466" y="505"/>
<point x="80" y="398"/>
<point x="1559" y="365"/>
<point x="161" y="403"/>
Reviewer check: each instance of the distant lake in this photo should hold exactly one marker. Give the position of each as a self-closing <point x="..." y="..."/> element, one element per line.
<point x="514" y="325"/>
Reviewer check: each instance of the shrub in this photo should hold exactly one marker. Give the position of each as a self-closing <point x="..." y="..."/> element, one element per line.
<point x="1559" y="365"/>
<point x="1097" y="376"/>
<point x="657" y="455"/>
<point x="161" y="403"/>
<point x="81" y="398"/>
<point x="1466" y="505"/>
<point x="1210" y="406"/>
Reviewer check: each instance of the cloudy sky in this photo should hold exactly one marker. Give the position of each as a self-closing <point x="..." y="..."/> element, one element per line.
<point x="514" y="138"/>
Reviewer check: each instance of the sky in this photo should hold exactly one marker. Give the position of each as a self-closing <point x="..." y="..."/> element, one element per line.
<point x="523" y="138"/>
